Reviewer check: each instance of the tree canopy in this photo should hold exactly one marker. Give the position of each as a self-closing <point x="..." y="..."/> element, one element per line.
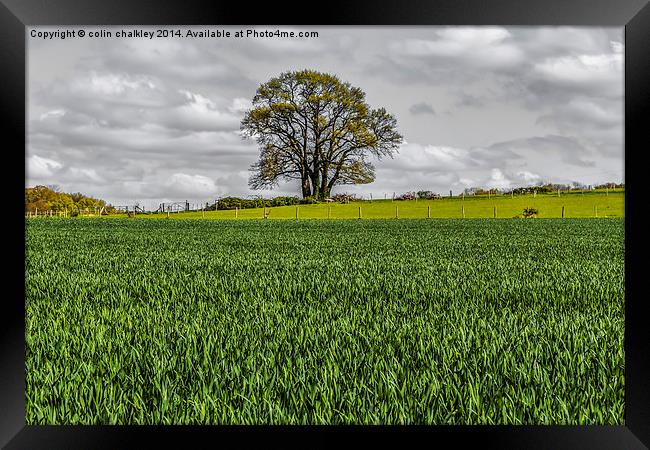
<point x="43" y="198"/>
<point x="312" y="127"/>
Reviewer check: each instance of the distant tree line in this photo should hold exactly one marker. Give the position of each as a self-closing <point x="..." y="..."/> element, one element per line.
<point x="49" y="198"/>
<point x="542" y="188"/>
<point x="422" y="195"/>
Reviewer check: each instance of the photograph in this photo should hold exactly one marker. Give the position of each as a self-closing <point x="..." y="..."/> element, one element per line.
<point x="325" y="225"/>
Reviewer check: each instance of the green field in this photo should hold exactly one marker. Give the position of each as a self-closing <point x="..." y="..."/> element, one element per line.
<point x="303" y="322"/>
<point x="576" y="205"/>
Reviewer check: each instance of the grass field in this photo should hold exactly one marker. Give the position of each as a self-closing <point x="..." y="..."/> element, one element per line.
<point x="576" y="205"/>
<point x="266" y="322"/>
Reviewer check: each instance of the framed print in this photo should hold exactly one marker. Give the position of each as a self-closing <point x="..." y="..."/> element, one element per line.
<point x="386" y="220"/>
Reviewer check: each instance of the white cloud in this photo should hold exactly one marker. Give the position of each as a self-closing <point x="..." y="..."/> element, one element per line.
<point x="38" y="167"/>
<point x="240" y="105"/>
<point x="198" y="113"/>
<point x="617" y="47"/>
<point x="528" y="177"/>
<point x="486" y="47"/>
<point x="430" y="158"/>
<point x="84" y="175"/>
<point x="498" y="180"/>
<point x="603" y="70"/>
<point x="111" y="84"/>
<point x="191" y="185"/>
<point x="52" y="114"/>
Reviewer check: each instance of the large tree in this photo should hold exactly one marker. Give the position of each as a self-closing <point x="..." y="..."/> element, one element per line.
<point x="314" y="128"/>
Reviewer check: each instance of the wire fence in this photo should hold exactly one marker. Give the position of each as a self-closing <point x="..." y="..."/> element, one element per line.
<point x="168" y="208"/>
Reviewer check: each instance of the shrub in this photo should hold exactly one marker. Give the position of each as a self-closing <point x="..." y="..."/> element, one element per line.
<point x="427" y="195"/>
<point x="345" y="198"/>
<point x="285" y="201"/>
<point x="311" y="200"/>
<point x="235" y="202"/>
<point x="530" y="212"/>
<point x="407" y="196"/>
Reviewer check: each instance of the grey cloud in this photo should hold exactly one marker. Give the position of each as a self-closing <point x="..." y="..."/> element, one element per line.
<point x="422" y="108"/>
<point x="469" y="100"/>
<point x="147" y="120"/>
<point x="569" y="150"/>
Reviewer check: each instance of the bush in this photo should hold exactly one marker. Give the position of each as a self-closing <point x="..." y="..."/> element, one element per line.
<point x="427" y="195"/>
<point x="285" y="201"/>
<point x="530" y="212"/>
<point x="228" y="203"/>
<point x="235" y="202"/>
<point x="345" y="198"/>
<point x="311" y="200"/>
<point x="407" y="196"/>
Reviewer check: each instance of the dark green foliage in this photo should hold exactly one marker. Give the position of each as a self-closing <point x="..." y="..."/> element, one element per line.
<point x="310" y="200"/>
<point x="427" y="195"/>
<point x="610" y="186"/>
<point x="242" y="203"/>
<point x="285" y="201"/>
<point x="303" y="322"/>
<point x="530" y="212"/>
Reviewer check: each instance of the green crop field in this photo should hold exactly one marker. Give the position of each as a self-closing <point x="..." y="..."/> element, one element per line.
<point x="304" y="322"/>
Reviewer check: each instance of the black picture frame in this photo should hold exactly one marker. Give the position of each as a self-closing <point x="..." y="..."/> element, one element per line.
<point x="634" y="15"/>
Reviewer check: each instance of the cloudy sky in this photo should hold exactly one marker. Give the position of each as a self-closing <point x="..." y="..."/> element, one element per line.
<point x="152" y="120"/>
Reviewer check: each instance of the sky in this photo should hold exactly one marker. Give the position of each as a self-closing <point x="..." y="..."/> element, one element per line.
<point x="157" y="120"/>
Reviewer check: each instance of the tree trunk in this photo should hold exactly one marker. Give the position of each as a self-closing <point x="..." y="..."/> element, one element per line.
<point x="324" y="190"/>
<point x="306" y="188"/>
<point x="325" y="193"/>
<point x="315" y="184"/>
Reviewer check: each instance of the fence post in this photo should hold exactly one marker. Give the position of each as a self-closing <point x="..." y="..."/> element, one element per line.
<point x="329" y="212"/>
<point x="462" y="209"/>
<point x="168" y="214"/>
<point x="495" y="212"/>
<point x="429" y="212"/>
<point x="563" y="212"/>
<point x="236" y="212"/>
<point x="296" y="213"/>
<point x="397" y="212"/>
<point x="359" y="212"/>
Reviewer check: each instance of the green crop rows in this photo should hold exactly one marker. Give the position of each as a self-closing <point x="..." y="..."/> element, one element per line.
<point x="303" y="322"/>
